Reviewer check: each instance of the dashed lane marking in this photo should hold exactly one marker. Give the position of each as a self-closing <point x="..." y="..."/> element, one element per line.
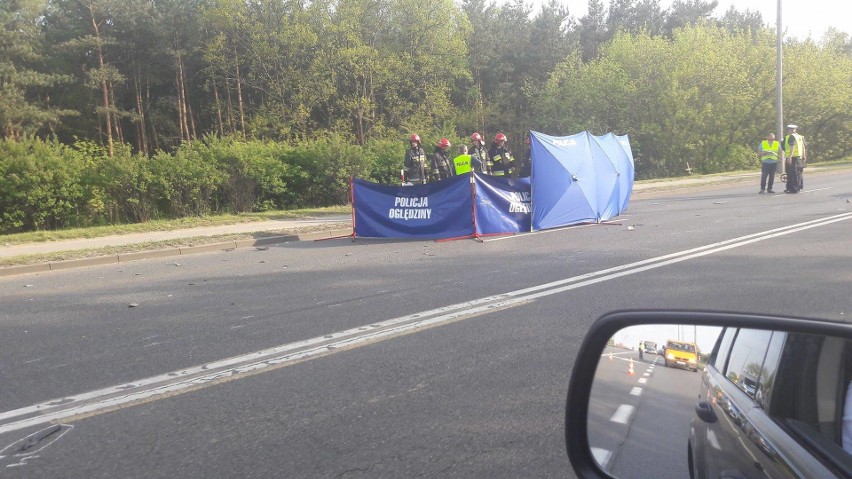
<point x="622" y="414"/>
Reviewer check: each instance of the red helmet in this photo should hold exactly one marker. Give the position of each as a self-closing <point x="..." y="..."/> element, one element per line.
<point x="444" y="143"/>
<point x="414" y="137"/>
<point x="499" y="138"/>
<point x="476" y="137"/>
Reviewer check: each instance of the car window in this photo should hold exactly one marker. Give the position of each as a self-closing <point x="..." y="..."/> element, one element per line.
<point x="770" y="367"/>
<point x="723" y="348"/>
<point x="685" y="347"/>
<point x="811" y="386"/>
<point x="746" y="359"/>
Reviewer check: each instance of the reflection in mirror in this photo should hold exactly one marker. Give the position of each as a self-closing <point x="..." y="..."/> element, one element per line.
<point x="639" y="407"/>
<point x="706" y="402"/>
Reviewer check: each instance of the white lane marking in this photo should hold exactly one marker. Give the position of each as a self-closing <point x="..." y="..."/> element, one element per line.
<point x="622" y="414"/>
<point x="643" y="380"/>
<point x="637" y="391"/>
<point x="646" y="374"/>
<point x="226" y="369"/>
<point x="10" y="451"/>
<point x="818" y="189"/>
<point x="561" y="228"/>
<point x="602" y="456"/>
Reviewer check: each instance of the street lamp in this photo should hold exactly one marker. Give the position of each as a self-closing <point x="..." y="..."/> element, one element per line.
<point x="779" y="98"/>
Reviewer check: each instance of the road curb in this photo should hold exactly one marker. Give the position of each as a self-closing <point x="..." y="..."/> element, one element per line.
<point x="168" y="252"/>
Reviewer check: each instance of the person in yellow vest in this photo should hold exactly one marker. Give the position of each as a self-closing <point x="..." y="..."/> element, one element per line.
<point x="461" y="163"/>
<point x="769" y="151"/>
<point x="794" y="148"/>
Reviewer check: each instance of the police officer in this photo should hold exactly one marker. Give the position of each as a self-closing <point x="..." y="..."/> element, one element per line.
<point x="769" y="150"/>
<point x="441" y="164"/>
<point x="794" y="148"/>
<point x="500" y="159"/>
<point x="417" y="167"/>
<point x="478" y="154"/>
<point x="461" y="163"/>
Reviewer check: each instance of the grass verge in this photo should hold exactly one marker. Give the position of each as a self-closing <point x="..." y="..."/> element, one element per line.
<point x="156" y="245"/>
<point x="169" y="225"/>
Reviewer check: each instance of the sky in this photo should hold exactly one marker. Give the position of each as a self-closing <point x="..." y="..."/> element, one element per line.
<point x="800" y="18"/>
<point x="660" y="333"/>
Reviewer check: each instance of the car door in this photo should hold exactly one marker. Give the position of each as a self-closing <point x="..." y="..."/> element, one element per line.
<point x="778" y="407"/>
<point x="734" y="387"/>
<point x="725" y="451"/>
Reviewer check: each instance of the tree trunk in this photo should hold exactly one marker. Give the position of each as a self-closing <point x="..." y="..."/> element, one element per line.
<point x="230" y="109"/>
<point x="116" y="121"/>
<point x="218" y="107"/>
<point x="141" y="127"/>
<point x="190" y="115"/>
<point x="154" y="137"/>
<point x="240" y="93"/>
<point x="104" y="89"/>
<point x="182" y="110"/>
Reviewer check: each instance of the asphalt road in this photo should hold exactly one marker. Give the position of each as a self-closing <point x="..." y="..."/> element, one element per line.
<point x="360" y="374"/>
<point x="639" y="423"/>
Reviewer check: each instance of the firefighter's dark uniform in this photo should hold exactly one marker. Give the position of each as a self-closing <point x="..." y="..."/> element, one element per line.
<point x="500" y="160"/>
<point x="442" y="165"/>
<point x="417" y="166"/>
<point x="479" y="159"/>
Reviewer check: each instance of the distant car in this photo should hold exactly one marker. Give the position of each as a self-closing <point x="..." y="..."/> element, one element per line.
<point x="650" y="347"/>
<point x="680" y="354"/>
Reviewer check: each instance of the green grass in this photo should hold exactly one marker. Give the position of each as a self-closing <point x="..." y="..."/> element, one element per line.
<point x="168" y="225"/>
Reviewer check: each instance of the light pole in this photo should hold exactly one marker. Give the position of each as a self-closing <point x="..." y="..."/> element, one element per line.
<point x="779" y="97"/>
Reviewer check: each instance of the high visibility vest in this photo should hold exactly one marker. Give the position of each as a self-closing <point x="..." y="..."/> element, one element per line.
<point x="798" y="148"/>
<point x="769" y="151"/>
<point x="462" y="164"/>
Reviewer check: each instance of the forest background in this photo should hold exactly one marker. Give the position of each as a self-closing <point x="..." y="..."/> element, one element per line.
<point x="121" y="111"/>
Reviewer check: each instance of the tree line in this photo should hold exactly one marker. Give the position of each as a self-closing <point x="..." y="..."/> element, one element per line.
<point x="150" y="80"/>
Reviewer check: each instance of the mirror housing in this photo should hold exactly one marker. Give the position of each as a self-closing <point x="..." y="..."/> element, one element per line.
<point x="585" y="366"/>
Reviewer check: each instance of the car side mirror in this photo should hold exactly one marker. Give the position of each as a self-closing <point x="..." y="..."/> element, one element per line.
<point x="633" y="412"/>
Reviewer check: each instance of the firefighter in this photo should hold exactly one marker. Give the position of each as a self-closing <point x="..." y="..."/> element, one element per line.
<point x="500" y="160"/>
<point x="442" y="165"/>
<point x="417" y="167"/>
<point x="478" y="154"/>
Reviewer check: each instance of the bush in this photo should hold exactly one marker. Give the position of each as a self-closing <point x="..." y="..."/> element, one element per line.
<point x="40" y="186"/>
<point x="45" y="185"/>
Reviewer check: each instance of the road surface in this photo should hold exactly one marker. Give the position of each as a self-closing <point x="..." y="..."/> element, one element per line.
<point x="384" y="358"/>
